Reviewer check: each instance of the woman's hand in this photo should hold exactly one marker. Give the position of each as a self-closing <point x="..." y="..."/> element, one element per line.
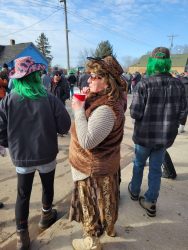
<point x="85" y="90"/>
<point x="77" y="104"/>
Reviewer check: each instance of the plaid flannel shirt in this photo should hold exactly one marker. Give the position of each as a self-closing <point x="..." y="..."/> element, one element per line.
<point x="158" y="105"/>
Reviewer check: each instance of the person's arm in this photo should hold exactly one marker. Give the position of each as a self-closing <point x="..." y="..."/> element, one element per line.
<point x="99" y="125"/>
<point x="183" y="105"/>
<point x="138" y="103"/>
<point x="62" y="118"/>
<point x="3" y="123"/>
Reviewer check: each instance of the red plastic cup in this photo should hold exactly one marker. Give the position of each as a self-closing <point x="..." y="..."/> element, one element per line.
<point x="80" y="97"/>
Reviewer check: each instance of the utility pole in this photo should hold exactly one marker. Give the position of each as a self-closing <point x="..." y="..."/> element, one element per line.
<point x="66" y="33"/>
<point x="171" y="37"/>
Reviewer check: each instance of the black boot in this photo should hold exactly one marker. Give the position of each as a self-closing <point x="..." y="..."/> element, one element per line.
<point x="167" y="175"/>
<point x="47" y="219"/>
<point x="168" y="168"/>
<point x="1" y="205"/>
<point x="23" y="240"/>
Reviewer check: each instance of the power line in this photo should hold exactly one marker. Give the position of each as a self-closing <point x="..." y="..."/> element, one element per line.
<point x="76" y="14"/>
<point x="42" y="4"/>
<point x="27" y="27"/>
<point x="171" y="37"/>
<point x="35" y="4"/>
<point x="38" y="30"/>
<point x="91" y="21"/>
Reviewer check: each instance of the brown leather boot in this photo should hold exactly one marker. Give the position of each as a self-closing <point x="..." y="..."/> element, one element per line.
<point x="23" y="240"/>
<point x="47" y="219"/>
<point x="111" y="232"/>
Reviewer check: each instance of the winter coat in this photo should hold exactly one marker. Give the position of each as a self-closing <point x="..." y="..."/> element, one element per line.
<point x="29" y="128"/>
<point x="158" y="105"/>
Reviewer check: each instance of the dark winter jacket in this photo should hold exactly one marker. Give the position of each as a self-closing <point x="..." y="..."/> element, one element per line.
<point x="72" y="80"/>
<point x="158" y="105"/>
<point x="60" y="90"/>
<point x="184" y="80"/>
<point x="135" y="79"/>
<point x="29" y="128"/>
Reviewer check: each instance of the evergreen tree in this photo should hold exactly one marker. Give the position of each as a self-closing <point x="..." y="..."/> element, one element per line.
<point x="104" y="49"/>
<point x="44" y="47"/>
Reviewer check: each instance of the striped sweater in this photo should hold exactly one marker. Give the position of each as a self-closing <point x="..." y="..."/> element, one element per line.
<point x="92" y="132"/>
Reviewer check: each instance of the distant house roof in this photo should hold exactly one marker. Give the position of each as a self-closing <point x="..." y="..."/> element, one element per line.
<point x="142" y="61"/>
<point x="9" y="52"/>
<point x="178" y="60"/>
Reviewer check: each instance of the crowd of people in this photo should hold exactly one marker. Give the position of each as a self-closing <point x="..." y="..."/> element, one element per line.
<point x="55" y="82"/>
<point x="158" y="108"/>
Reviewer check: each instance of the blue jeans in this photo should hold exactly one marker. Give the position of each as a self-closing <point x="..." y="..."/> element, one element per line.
<point x="156" y="158"/>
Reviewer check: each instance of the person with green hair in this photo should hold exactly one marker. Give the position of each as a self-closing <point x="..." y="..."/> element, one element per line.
<point x="30" y="119"/>
<point x="158" y="105"/>
<point x="159" y="62"/>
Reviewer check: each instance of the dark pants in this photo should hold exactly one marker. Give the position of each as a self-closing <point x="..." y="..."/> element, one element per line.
<point x="24" y="187"/>
<point x="183" y="121"/>
<point x="129" y="88"/>
<point x="168" y="167"/>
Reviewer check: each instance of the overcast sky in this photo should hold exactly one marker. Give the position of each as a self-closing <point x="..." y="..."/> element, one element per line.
<point x="133" y="27"/>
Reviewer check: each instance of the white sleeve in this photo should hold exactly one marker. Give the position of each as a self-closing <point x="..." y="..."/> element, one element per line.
<point x="99" y="125"/>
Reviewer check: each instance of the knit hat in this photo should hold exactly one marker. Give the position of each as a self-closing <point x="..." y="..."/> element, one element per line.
<point x="161" y="53"/>
<point x="112" y="66"/>
<point x="25" y="66"/>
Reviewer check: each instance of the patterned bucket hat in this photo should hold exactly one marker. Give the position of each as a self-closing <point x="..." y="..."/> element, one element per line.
<point x="112" y="66"/>
<point x="25" y="66"/>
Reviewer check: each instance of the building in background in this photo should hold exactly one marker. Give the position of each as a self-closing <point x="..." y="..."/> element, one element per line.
<point x="8" y="53"/>
<point x="179" y="64"/>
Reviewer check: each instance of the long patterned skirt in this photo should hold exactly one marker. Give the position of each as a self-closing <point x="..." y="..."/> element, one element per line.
<point x="95" y="204"/>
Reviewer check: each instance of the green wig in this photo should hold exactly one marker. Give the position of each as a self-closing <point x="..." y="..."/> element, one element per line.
<point x="158" y="65"/>
<point x="29" y="86"/>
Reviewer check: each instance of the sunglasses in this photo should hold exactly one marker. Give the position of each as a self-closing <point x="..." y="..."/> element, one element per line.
<point x="94" y="76"/>
<point x="57" y="75"/>
<point x="94" y="58"/>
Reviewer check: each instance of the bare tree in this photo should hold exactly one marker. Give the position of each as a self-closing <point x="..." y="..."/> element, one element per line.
<point x="180" y="49"/>
<point x="128" y="61"/>
<point x="82" y="59"/>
